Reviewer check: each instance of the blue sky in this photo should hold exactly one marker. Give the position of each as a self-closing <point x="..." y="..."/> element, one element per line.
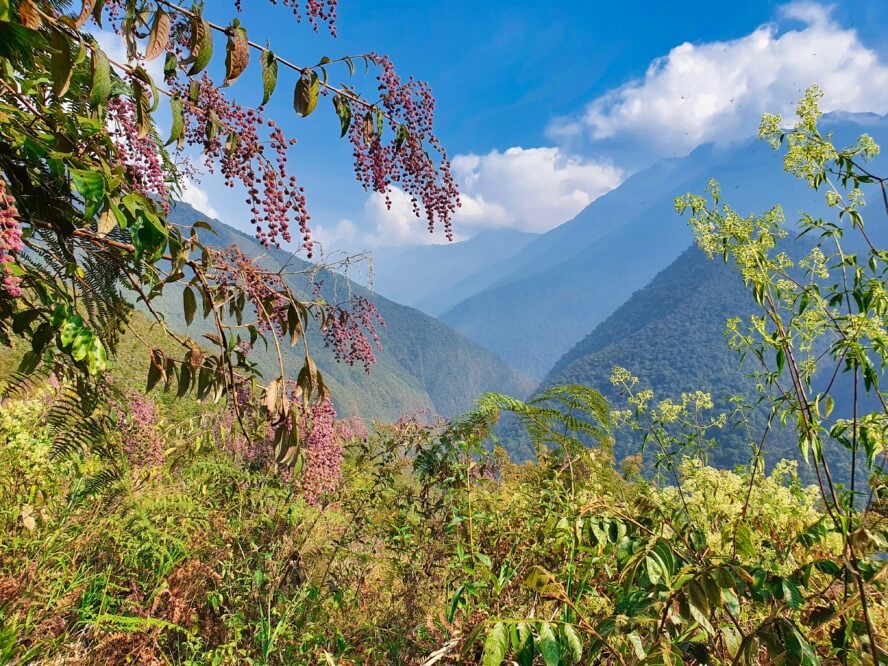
<point x="545" y="106"/>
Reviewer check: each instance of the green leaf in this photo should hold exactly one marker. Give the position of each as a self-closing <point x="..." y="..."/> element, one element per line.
<point x="170" y="65"/>
<point x="698" y="606"/>
<point x="97" y="357"/>
<point x="549" y="647"/>
<point x="637" y="645"/>
<point x="177" y="132"/>
<point x="101" y="78"/>
<point x="62" y="63"/>
<point x="70" y="329"/>
<point x="574" y="643"/>
<point x="269" y="75"/>
<point x="189" y="303"/>
<point x="90" y="184"/>
<point x="744" y="541"/>
<point x="495" y="646"/>
<point x="522" y="645"/>
<point x="155" y="371"/>
<point x="454" y="603"/>
<point x="305" y="97"/>
<point x="344" y="111"/>
<point x="791" y="594"/>
<point x="201" y="45"/>
<point x="401" y="136"/>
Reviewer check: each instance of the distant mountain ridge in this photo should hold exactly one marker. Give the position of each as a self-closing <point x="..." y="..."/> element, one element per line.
<point x="541" y="301"/>
<point x="423" y="276"/>
<point x="423" y="366"/>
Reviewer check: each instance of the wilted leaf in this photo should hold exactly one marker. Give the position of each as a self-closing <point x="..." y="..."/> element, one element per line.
<point x="29" y="15"/>
<point x="305" y="98"/>
<point x="201" y="45"/>
<point x="237" y="52"/>
<point x="159" y="36"/>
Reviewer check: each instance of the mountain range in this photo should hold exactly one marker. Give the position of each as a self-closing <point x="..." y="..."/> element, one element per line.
<point x="532" y="307"/>
<point x="423" y="366"/>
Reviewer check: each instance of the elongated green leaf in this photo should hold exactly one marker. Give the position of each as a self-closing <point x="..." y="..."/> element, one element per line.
<point x="101" y="78"/>
<point x="62" y="63"/>
<point x="344" y="111"/>
<point x="574" y="643"/>
<point x="177" y="131"/>
<point x="495" y="646"/>
<point x="189" y="304"/>
<point x="269" y="75"/>
<point x="549" y="647"/>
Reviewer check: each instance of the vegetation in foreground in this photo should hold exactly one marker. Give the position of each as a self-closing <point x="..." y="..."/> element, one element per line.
<point x="261" y="530"/>
<point x="198" y="553"/>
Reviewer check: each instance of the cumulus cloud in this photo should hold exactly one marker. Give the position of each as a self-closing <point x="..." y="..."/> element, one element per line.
<point x="718" y="90"/>
<point x="198" y="198"/>
<point x="532" y="189"/>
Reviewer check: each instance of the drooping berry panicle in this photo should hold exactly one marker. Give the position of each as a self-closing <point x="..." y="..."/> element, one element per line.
<point x="10" y="241"/>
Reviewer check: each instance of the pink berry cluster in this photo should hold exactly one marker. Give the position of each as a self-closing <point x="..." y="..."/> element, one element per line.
<point x="351" y="429"/>
<point x="10" y="241"/>
<point x="317" y="11"/>
<point x="236" y="273"/>
<point x="321" y="436"/>
<point x="230" y="138"/>
<point x="139" y="156"/>
<point x="345" y="332"/>
<point x="322" y="450"/>
<point x="137" y="422"/>
<point x="404" y="161"/>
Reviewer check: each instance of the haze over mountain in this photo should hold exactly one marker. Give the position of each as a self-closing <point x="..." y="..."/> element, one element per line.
<point x="423" y="364"/>
<point x="424" y="276"/>
<point x="532" y="307"/>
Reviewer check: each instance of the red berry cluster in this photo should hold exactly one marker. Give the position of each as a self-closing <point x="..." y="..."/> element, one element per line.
<point x="10" y="241"/>
<point x="404" y="161"/>
<point x="229" y="135"/>
<point x="345" y="332"/>
<point x="139" y="156"/>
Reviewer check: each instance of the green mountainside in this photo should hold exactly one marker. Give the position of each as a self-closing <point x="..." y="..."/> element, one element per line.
<point x="423" y="366"/>
<point x="539" y="303"/>
<point x="670" y="335"/>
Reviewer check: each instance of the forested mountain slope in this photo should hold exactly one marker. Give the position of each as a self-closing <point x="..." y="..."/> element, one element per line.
<point x="423" y="365"/>
<point x="560" y="286"/>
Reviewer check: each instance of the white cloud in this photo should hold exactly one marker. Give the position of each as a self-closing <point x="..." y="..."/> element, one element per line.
<point x="533" y="189"/>
<point x="718" y="90"/>
<point x="195" y="196"/>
